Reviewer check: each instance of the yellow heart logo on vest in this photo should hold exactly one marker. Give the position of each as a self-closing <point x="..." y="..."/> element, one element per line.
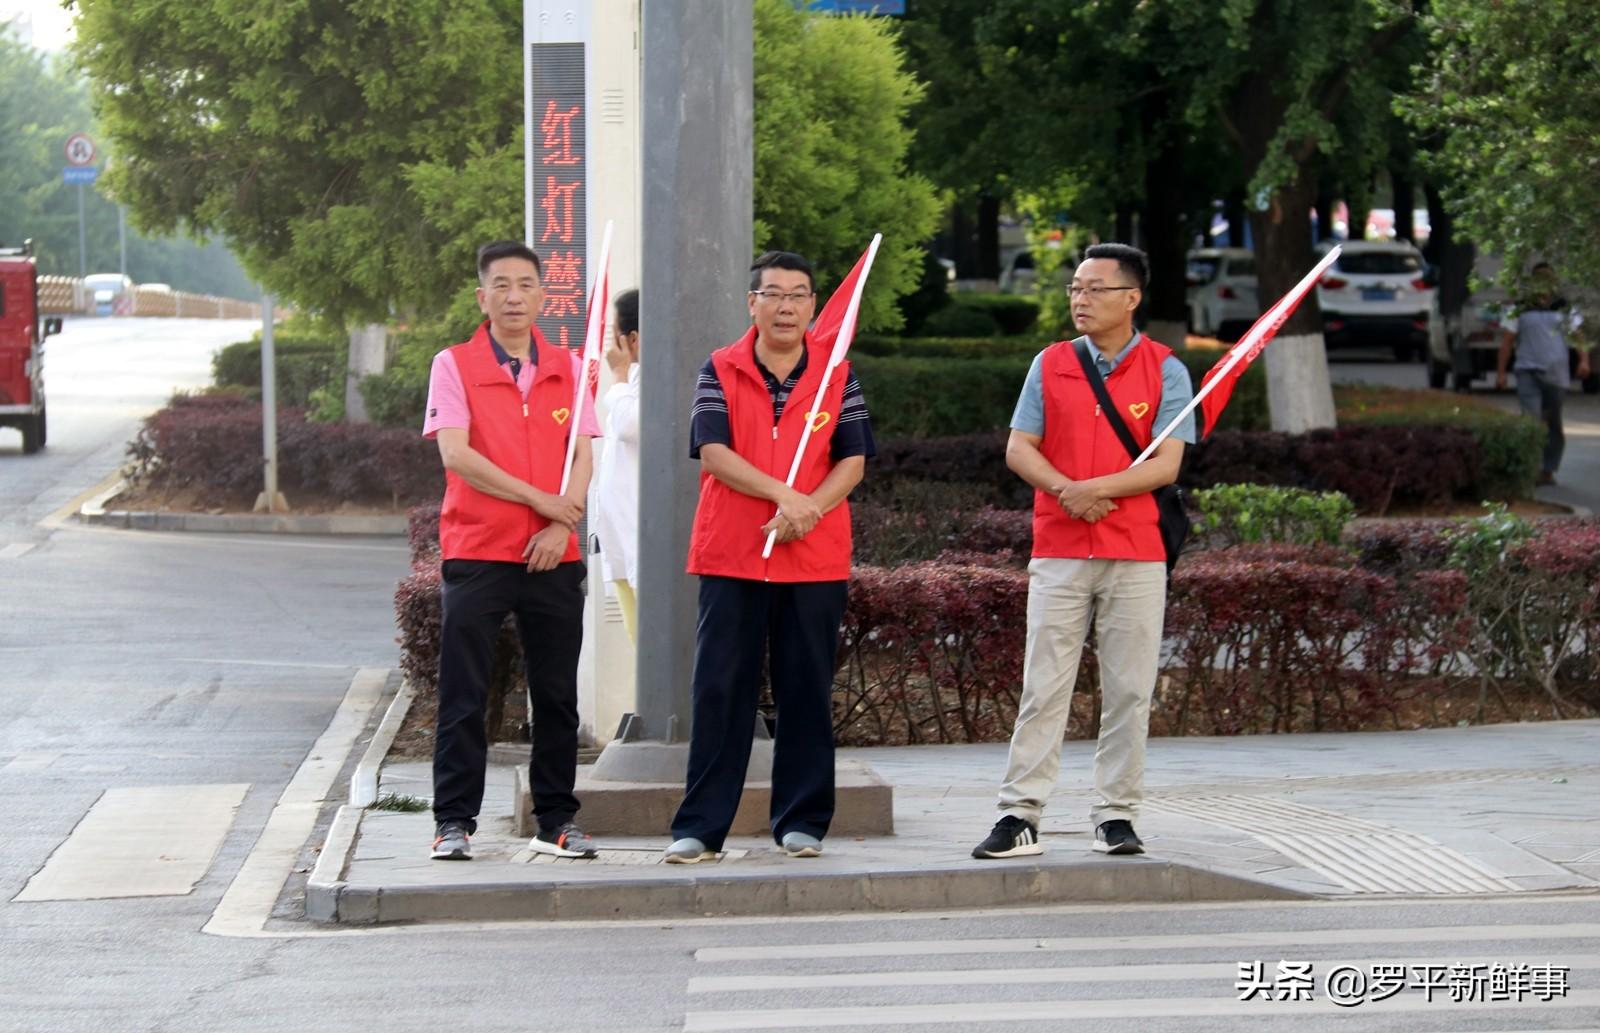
<point x="1139" y="409"/>
<point x="561" y="415"/>
<point x="818" y="420"/>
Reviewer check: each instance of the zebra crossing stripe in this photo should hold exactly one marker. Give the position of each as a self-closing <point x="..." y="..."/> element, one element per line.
<point x="1214" y="941"/>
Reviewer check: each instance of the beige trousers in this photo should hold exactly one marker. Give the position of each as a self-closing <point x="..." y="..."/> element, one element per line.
<point x="1126" y="600"/>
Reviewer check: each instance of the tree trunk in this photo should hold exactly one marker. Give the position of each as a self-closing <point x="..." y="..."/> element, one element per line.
<point x="368" y="354"/>
<point x="1124" y="228"/>
<point x="1325" y="203"/>
<point x="1405" y="223"/>
<point x="1165" y="312"/>
<point x="1453" y="257"/>
<point x="964" y="242"/>
<point x="988" y="238"/>
<point x="1299" y="394"/>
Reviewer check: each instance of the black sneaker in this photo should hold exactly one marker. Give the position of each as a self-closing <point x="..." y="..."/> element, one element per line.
<point x="451" y="842"/>
<point x="1117" y="837"/>
<point x="1011" y="837"/>
<point x="564" y="841"/>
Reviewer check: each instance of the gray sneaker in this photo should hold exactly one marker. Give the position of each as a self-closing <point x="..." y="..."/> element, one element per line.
<point x="800" y="844"/>
<point x="688" y="851"/>
<point x="564" y="841"/>
<point x="451" y="842"/>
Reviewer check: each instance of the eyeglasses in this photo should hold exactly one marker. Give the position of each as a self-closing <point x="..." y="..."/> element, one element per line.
<point x="773" y="297"/>
<point x="1094" y="293"/>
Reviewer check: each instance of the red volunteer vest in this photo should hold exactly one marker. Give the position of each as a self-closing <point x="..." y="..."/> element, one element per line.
<point x="727" y="537"/>
<point x="526" y="440"/>
<point x="1079" y="441"/>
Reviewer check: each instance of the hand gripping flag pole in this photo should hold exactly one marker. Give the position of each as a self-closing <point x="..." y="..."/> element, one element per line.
<point x="840" y="319"/>
<point x="1217" y="386"/>
<point x="590" y="367"/>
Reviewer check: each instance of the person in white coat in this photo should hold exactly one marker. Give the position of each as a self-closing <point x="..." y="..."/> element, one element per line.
<point x="617" y="493"/>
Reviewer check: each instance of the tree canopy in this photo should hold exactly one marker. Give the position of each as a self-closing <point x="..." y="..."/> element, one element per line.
<point x="1511" y="90"/>
<point x="354" y="153"/>
<point x="44" y="102"/>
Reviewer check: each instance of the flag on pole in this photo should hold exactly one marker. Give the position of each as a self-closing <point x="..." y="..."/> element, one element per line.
<point x="834" y="328"/>
<point x="1216" y="387"/>
<point x="589" y="368"/>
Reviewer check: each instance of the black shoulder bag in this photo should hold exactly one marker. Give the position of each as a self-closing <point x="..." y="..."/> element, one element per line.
<point x="1174" y="518"/>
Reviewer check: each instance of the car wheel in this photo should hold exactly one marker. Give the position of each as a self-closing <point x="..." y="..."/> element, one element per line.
<point x="33" y="433"/>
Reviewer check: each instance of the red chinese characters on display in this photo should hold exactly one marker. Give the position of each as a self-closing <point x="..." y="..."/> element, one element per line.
<point x="563" y="284"/>
<point x="557" y="129"/>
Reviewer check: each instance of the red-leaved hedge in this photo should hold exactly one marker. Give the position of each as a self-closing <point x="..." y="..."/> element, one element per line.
<point x="211" y="444"/>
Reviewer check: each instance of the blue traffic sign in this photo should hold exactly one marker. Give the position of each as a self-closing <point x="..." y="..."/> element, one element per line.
<point x="79" y="174"/>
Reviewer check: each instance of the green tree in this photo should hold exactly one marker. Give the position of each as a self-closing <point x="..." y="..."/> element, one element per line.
<point x="1511" y="90"/>
<point x="44" y="102"/>
<point x="291" y="128"/>
<point x="831" y="97"/>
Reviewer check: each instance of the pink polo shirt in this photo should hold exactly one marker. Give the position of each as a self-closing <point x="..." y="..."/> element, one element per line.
<point x="447" y="396"/>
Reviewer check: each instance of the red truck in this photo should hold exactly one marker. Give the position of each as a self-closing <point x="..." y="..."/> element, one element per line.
<point x="22" y="335"/>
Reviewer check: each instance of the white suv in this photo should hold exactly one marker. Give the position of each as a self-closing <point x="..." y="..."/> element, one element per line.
<point x="1378" y="292"/>
<point x="1222" y="291"/>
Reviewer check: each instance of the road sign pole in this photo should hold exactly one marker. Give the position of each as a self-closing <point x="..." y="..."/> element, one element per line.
<point x="270" y="500"/>
<point x="83" y="247"/>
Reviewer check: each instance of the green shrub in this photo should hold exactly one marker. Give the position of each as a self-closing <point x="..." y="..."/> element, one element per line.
<point x="304" y="364"/>
<point x="1509" y="444"/>
<point x="958" y="320"/>
<point x="947" y="347"/>
<point x="1014" y="313"/>
<point x="919" y="397"/>
<point x="1238" y="514"/>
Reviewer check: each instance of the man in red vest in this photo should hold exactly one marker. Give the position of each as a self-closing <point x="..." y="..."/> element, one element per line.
<point x="500" y="406"/>
<point x="1098" y="553"/>
<point x="752" y="403"/>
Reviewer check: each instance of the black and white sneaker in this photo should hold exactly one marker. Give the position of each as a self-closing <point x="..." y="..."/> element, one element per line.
<point x="1011" y="837"/>
<point x="1117" y="837"/>
<point x="567" y="840"/>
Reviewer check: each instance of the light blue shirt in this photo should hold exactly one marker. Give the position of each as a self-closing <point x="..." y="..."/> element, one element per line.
<point x="1176" y="392"/>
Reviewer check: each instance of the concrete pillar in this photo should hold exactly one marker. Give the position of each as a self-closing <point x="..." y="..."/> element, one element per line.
<point x="1299" y="393"/>
<point x="697" y="213"/>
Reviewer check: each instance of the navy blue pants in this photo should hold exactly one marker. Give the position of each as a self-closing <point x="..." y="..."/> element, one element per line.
<point x="741" y="623"/>
<point x="477" y="595"/>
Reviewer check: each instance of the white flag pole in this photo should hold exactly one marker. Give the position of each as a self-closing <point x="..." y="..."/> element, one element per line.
<point x="1264" y="327"/>
<point x="591" y="352"/>
<point x="841" y="345"/>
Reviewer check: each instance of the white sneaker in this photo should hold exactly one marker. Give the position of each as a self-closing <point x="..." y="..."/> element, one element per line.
<point x="799" y="844"/>
<point x="688" y="851"/>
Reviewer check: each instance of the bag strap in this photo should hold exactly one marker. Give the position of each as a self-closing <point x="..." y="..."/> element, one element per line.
<point x="1092" y="373"/>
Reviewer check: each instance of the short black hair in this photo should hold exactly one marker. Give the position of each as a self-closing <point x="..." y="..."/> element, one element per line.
<point x="489" y="254"/>
<point x="1134" y="263"/>
<point x="780" y="260"/>
<point x="627" y="304"/>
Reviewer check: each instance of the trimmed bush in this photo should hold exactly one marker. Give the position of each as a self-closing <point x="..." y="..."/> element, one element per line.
<point x="422" y="534"/>
<point x="947" y="347"/>
<point x="1014" y="313"/>
<point x="304" y="364"/>
<point x="968" y="461"/>
<point x="926" y="397"/>
<point x="1237" y="514"/>
<point x="957" y="320"/>
<point x="211" y="444"/>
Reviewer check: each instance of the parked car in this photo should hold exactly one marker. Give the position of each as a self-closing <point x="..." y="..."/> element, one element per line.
<point x="107" y="289"/>
<point x="1018" y="275"/>
<point x="1222" y="296"/>
<point x="1379" y="292"/>
<point x="1471" y="344"/>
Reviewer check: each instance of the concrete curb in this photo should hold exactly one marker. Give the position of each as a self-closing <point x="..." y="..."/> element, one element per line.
<point x="1124" y="880"/>
<point x="364" y="783"/>
<point x="323" y="888"/>
<point x="264" y="523"/>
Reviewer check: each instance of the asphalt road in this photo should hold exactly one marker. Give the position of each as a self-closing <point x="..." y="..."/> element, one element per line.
<point x="131" y="660"/>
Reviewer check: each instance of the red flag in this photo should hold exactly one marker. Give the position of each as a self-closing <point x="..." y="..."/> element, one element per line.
<point x="1217" y="385"/>
<point x="828" y="328"/>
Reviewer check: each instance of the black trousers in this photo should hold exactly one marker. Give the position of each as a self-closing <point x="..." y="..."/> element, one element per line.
<point x="548" y="606"/>
<point x="742" y="621"/>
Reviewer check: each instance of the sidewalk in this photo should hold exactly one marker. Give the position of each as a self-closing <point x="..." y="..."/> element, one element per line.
<point x="1488" y="810"/>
